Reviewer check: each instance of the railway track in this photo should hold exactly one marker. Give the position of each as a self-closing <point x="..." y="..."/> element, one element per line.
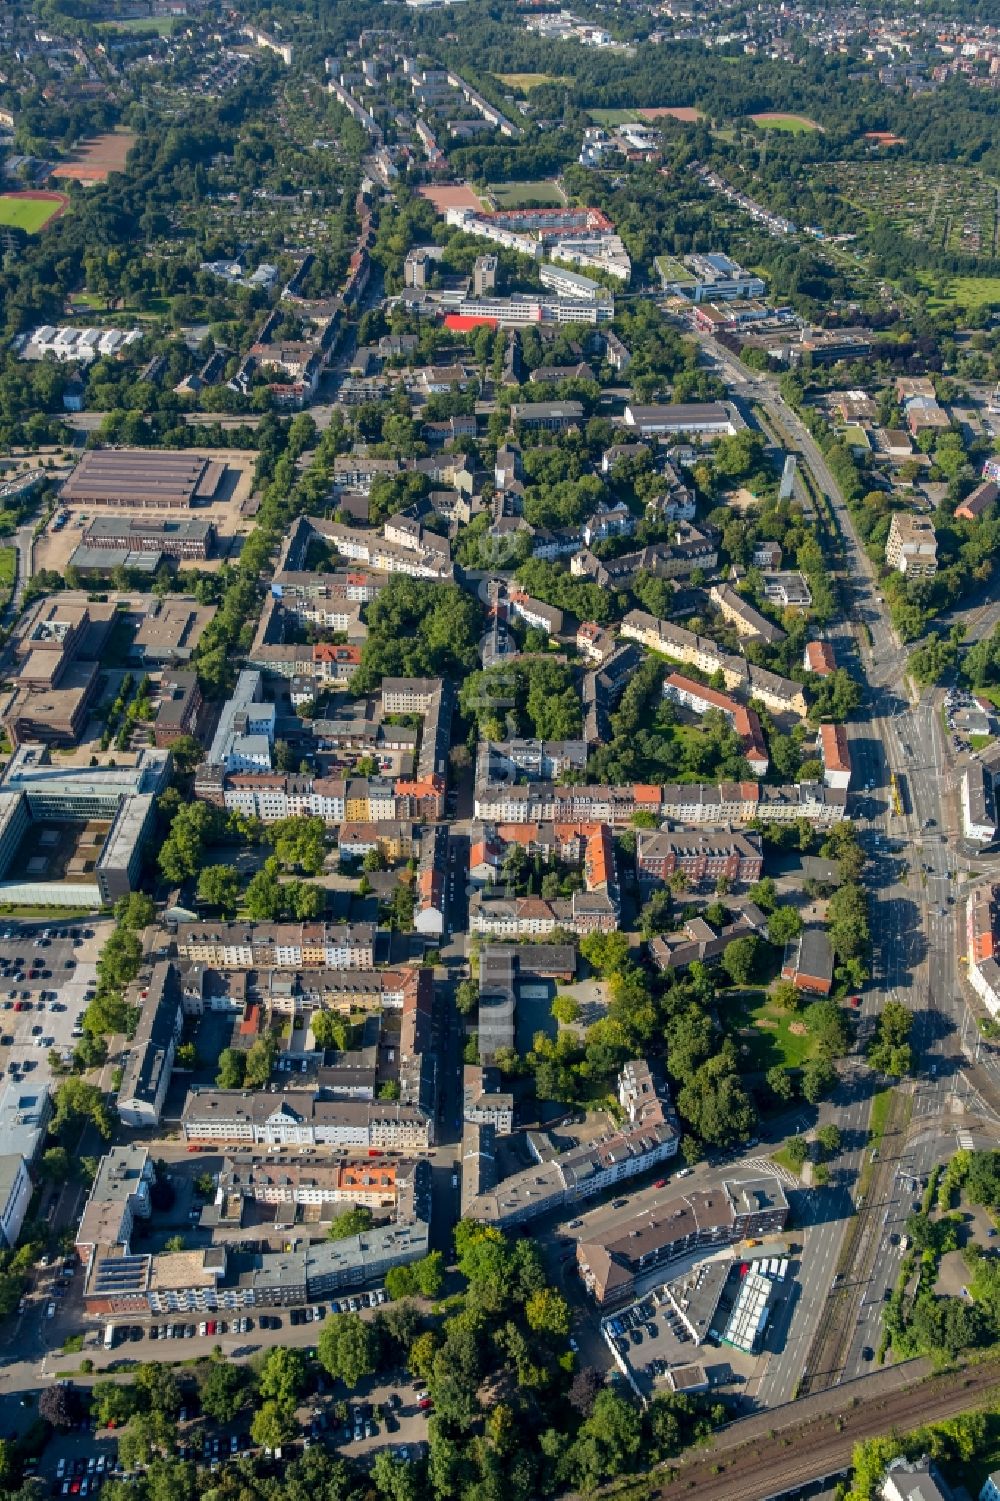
<point x="766" y="1467"/>
<point x="832" y="1341"/>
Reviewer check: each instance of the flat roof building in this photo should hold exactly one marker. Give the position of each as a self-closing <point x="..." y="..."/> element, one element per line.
<point x="139" y="479"/>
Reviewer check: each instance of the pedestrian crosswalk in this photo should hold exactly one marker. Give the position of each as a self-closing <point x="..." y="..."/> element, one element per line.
<point x="765" y="1166"/>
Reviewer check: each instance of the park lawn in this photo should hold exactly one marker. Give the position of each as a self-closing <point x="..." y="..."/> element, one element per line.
<point x="763" y="1032"/>
<point x="980" y="742"/>
<point x="965" y="292"/>
<point x="518" y="194"/>
<point x="29" y="214"/>
<point x="615" y="116"/>
<point x="8" y="569"/>
<point x="793" y="124"/>
<point x="528" y="81"/>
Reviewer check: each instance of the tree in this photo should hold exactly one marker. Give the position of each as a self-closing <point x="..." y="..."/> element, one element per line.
<point x="784" y="924"/>
<point x="425" y="1277"/>
<point x="260" y="1062"/>
<point x="605" y="952"/>
<point x="223" y="1391"/>
<point x="607" y="1443"/>
<point x="350" y="1222"/>
<point x="828" y="1137"/>
<point x="76" y="1102"/>
<point x="136" y="911"/>
<point x="272" y="1425"/>
<point x="394" y="1478"/>
<point x="547" y="1312"/>
<point x="283" y="1377"/>
<point x="796" y="1150"/>
<point x="232" y="1069"/>
<point x="60" y="1405"/>
<point x="158" y="1387"/>
<point x="348" y="1349"/>
<point x="818" y="1079"/>
<point x="111" y="1404"/>
<point x="56" y="1165"/>
<point x="890" y="1053"/>
<point x="715" y="1102"/>
<point x="330" y="1030"/>
<point x="779" y="1082"/>
<point x="584" y="1388"/>
<point x="739" y="959"/>
<point x="565" y="1009"/>
<point x="466" y="996"/>
<point x="219" y="886"/>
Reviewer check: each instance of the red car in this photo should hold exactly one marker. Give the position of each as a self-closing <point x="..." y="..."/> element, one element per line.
<point x="211" y="1326"/>
<point x="661" y="1183"/>
<point x="855" y="1000"/>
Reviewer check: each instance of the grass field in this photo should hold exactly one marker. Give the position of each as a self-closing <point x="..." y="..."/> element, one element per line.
<point x="615" y="116"/>
<point x="8" y="569"/>
<point x="528" y="81"/>
<point x="518" y="194"/>
<point x="142" y="25"/>
<point x="794" y="124"/>
<point x="763" y="1032"/>
<point x="966" y="292"/>
<point x="29" y="214"/>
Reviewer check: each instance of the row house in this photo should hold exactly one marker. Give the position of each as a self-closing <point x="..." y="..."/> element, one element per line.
<point x="280" y="1181"/>
<point x="302" y="1119"/>
<point x="297" y="993"/>
<point x="278" y="945"/>
<point x="533" y="917"/>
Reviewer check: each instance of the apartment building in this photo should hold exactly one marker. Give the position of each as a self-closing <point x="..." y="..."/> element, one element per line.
<point x="612" y="1265"/>
<point x="911" y="546"/>
<point x="703" y="857"/>
<point x="836" y="755"/>
<point x="700" y="700"/>
<point x="147" y="1070"/>
<point x="982" y="932"/>
<point x="119" y="1195"/>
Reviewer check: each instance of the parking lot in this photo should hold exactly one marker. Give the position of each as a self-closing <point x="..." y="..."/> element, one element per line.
<point x="390" y="1413"/>
<point x="47" y="972"/>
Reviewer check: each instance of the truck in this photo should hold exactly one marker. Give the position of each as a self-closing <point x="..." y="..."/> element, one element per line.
<point x="109" y="1337"/>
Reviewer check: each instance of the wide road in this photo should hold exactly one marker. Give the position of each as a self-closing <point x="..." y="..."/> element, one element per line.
<point x="912" y="886"/>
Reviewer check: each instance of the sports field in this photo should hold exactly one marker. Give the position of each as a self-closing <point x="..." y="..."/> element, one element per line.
<point x="523" y="194"/>
<point x="528" y="81"/>
<point x="94" y="160"/>
<point x="612" y="117"/>
<point x="794" y="124"/>
<point x="30" y="211"/>
<point x="686" y="114"/>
